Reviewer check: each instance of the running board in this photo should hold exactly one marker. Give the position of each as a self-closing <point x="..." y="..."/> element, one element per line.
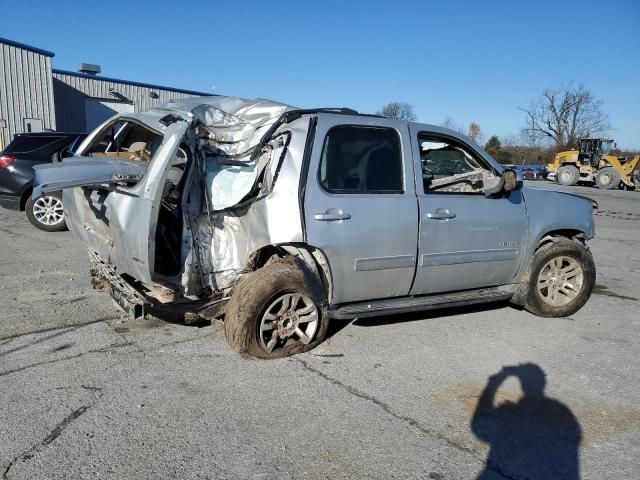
<point x="427" y="302"/>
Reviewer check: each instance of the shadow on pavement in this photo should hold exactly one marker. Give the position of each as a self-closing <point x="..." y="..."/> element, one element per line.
<point x="536" y="437"/>
<point x="428" y="314"/>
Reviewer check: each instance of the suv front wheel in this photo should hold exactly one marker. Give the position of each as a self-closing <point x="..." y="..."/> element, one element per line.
<point x="276" y="311"/>
<point x="46" y="212"/>
<point x="562" y="277"/>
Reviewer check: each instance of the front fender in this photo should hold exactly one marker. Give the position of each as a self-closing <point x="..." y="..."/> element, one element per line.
<point x="553" y="211"/>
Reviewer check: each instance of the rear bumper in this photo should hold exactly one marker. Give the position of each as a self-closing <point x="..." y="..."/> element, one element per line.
<point x="103" y="277"/>
<point x="10" y="201"/>
<point x="136" y="302"/>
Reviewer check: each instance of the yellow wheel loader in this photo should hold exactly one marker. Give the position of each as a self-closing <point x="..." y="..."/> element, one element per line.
<point x="592" y="162"/>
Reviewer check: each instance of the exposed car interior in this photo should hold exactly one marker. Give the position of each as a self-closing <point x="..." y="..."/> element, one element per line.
<point x="170" y="217"/>
<point x="447" y="167"/>
<point x="126" y="140"/>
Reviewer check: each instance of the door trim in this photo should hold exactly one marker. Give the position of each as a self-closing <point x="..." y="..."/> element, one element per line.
<point x="384" y="263"/>
<point x="468" y="256"/>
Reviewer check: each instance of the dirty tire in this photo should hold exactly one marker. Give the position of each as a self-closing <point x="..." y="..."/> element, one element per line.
<point x="607" y="178"/>
<point x="568" y="175"/>
<point x="562" y="248"/>
<point x="255" y="293"/>
<point x="29" y="209"/>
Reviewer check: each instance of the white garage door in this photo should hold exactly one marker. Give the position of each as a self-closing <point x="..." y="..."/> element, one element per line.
<point x="97" y="111"/>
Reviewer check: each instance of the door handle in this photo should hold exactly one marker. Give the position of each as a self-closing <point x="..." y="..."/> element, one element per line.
<point x="441" y="214"/>
<point x="332" y="214"/>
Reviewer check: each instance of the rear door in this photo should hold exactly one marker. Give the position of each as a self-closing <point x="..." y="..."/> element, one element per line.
<point x="360" y="206"/>
<point x="122" y="177"/>
<point x="466" y="240"/>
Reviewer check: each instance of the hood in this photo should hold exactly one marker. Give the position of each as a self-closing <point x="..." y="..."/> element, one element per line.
<point x="594" y="204"/>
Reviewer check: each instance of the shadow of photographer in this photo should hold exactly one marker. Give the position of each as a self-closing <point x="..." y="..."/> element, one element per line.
<point x="535" y="437"/>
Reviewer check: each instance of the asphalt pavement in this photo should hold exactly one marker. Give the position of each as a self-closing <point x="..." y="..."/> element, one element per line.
<point x="87" y="393"/>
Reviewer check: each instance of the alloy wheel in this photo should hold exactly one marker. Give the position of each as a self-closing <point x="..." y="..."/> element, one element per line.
<point x="289" y="316"/>
<point x="560" y="281"/>
<point x="48" y="210"/>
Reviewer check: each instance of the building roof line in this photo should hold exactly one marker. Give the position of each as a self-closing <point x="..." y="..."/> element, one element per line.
<point x="128" y="82"/>
<point x="24" y="46"/>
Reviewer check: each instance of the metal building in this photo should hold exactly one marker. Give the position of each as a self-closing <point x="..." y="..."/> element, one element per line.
<point x="26" y="90"/>
<point x="34" y="97"/>
<point x="83" y="101"/>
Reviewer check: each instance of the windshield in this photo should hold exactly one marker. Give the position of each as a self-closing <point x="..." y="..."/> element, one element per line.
<point x="605" y="148"/>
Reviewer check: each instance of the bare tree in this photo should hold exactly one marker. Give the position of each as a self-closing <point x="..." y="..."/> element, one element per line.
<point x="398" y="111"/>
<point x="451" y="124"/>
<point x="474" y="132"/>
<point x="565" y="115"/>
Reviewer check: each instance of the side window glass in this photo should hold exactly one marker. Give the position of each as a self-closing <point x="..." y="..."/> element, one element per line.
<point x="125" y="140"/>
<point x="449" y="167"/>
<point x="359" y="159"/>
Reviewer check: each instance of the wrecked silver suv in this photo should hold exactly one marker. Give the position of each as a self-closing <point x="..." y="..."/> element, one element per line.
<point x="275" y="220"/>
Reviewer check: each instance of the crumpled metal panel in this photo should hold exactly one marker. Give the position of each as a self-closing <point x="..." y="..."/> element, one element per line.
<point x="229" y="129"/>
<point x="271" y="220"/>
<point x="224" y="133"/>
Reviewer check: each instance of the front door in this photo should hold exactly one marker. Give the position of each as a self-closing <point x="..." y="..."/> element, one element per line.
<point x="466" y="239"/>
<point x="360" y="206"/>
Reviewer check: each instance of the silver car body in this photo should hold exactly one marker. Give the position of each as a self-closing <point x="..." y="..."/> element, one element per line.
<point x="253" y="186"/>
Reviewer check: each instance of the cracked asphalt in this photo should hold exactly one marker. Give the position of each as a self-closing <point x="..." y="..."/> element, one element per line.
<point x="86" y="393"/>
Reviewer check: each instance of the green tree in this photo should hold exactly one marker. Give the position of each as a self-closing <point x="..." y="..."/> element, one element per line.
<point x="493" y="146"/>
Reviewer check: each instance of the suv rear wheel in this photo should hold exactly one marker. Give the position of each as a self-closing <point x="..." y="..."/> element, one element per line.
<point x="276" y="311"/>
<point x="47" y="212"/>
<point x="562" y="277"/>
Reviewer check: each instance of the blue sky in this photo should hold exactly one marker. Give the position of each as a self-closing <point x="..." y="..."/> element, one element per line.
<point x="472" y="61"/>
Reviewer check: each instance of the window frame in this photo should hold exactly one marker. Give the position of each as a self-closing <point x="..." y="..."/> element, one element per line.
<point x="424" y="135"/>
<point x="329" y="191"/>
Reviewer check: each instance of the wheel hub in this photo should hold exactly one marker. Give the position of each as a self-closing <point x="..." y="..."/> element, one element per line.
<point x="560" y="281"/>
<point x="48" y="210"/>
<point x="287" y="325"/>
<point x="290" y="316"/>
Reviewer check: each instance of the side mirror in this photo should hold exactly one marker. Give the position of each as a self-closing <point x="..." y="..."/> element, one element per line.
<point x="509" y="181"/>
<point x="512" y="180"/>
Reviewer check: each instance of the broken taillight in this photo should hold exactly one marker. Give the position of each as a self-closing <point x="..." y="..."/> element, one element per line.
<point x="6" y="160"/>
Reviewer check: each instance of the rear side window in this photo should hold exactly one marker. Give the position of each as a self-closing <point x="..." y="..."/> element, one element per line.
<point x="33" y="144"/>
<point x="360" y="159"/>
<point x="126" y="140"/>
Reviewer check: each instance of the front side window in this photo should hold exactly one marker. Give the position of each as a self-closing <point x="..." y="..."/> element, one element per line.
<point x="360" y="159"/>
<point x="448" y="166"/>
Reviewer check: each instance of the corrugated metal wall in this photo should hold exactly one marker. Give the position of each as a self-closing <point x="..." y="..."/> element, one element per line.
<point x="71" y="89"/>
<point x="26" y="90"/>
